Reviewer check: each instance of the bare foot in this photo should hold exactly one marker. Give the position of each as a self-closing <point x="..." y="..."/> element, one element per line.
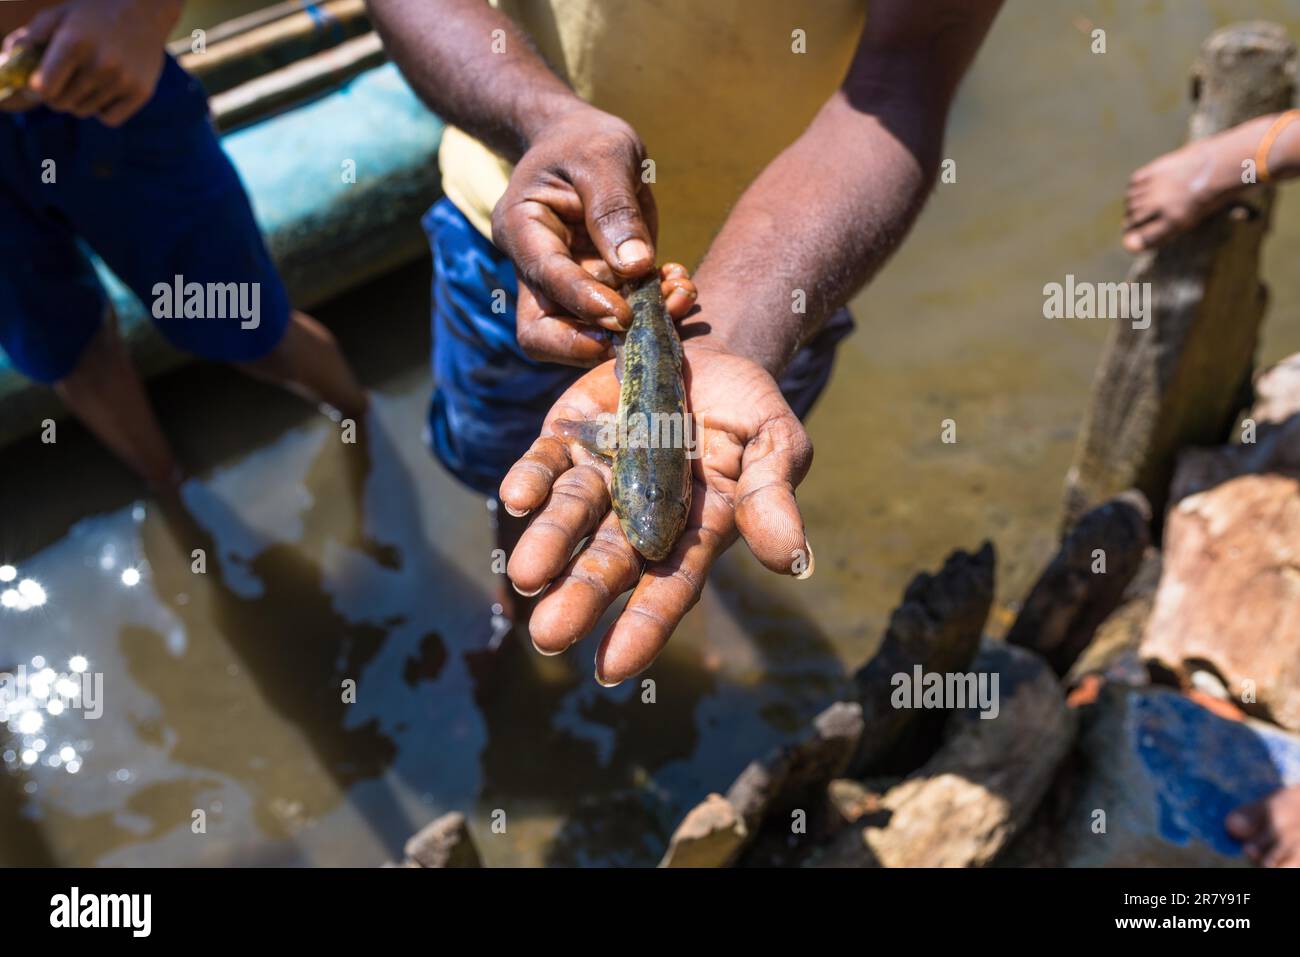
<point x="104" y="391"/>
<point x="1174" y="192"/>
<point x="308" y="361"/>
<point x="1270" y="829"/>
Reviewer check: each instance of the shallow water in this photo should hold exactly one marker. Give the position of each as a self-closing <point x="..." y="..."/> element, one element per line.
<point x="328" y="562"/>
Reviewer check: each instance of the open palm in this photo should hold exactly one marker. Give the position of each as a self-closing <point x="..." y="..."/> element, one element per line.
<point x="753" y="453"/>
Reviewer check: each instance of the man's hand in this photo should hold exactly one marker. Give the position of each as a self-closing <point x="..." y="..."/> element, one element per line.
<point x="549" y="333"/>
<point x="754" y="453"/>
<point x="102" y="58"/>
<point x="576" y="220"/>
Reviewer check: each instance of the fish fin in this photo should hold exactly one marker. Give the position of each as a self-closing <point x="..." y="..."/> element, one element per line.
<point x="586" y="433"/>
<point x="618" y="359"/>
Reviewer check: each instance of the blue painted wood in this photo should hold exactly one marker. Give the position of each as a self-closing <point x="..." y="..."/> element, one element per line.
<point x="1203" y="766"/>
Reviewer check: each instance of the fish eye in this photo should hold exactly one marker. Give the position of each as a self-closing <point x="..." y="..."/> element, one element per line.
<point x="653" y="493"/>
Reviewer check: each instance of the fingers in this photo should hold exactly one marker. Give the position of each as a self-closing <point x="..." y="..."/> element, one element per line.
<point x="612" y="193"/>
<point x="666" y="592"/>
<point x="89" y="98"/>
<point x="605" y="568"/>
<point x="529" y="480"/>
<point x="678" y="290"/>
<point x="578" y="501"/>
<point x="118" y="111"/>
<point x="539" y="243"/>
<point x="775" y="461"/>
<point x="546" y="334"/>
<point x="67" y="53"/>
<point x="547" y="337"/>
<point x="1248" y="820"/>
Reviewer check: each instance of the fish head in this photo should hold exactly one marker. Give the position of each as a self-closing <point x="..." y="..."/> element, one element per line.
<point x="652" y="519"/>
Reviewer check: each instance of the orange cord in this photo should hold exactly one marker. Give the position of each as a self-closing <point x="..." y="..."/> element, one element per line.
<point x="1266" y="144"/>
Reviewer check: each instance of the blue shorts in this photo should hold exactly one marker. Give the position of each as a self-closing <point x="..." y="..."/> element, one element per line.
<point x="489" y="399"/>
<point x="155" y="198"/>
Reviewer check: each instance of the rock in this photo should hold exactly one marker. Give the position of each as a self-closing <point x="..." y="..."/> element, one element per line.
<point x="853" y="800"/>
<point x="1277" y="449"/>
<point x="968" y="801"/>
<point x="938" y="628"/>
<point x="1165" y="772"/>
<point x="796" y="776"/>
<point x="1277" y="392"/>
<point x="444" y="842"/>
<point x="1085" y="581"/>
<point x="1229" y="600"/>
<point x="1181" y="379"/>
<point x="711" y="835"/>
<point x="1276" y="445"/>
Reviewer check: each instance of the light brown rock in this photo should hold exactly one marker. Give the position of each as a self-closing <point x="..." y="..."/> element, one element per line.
<point x="1230" y="594"/>
<point x="969" y="800"/>
<point x="1277" y="392"/>
<point x="711" y="835"/>
<point x="444" y="842"/>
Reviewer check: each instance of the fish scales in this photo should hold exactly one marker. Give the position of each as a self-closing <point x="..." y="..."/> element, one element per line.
<point x="652" y="479"/>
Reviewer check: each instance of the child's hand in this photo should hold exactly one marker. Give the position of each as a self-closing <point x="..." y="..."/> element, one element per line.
<point x="103" y="57"/>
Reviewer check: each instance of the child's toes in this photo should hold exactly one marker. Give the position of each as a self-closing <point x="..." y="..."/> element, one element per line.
<point x="1138" y="213"/>
<point x="1149" y="234"/>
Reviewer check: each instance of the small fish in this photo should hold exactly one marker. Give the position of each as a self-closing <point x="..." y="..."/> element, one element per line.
<point x="651" y="441"/>
<point x="17" y="67"/>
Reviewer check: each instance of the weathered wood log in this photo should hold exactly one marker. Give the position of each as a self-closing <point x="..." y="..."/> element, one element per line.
<point x="222" y="64"/>
<point x="1182" y="380"/>
<point x="795" y="776"/>
<point x="937" y="628"/>
<point x="298" y="81"/>
<point x="966" y="804"/>
<point x="1085" y="581"/>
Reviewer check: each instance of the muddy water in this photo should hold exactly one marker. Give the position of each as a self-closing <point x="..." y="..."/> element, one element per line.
<point x="327" y="562"/>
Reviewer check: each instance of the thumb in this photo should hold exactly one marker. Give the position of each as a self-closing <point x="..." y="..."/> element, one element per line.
<point x="613" y="202"/>
<point x="774" y="463"/>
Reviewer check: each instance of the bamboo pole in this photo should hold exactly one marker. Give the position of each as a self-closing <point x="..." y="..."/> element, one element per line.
<point x="298" y="81"/>
<point x="234" y="27"/>
<point x="226" y="62"/>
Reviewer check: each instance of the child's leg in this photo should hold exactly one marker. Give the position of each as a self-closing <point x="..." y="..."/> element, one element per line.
<point x="309" y="362"/>
<point x="104" y="391"/>
<point x="53" y="309"/>
<point x="1173" y="193"/>
<point x="194" y="253"/>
